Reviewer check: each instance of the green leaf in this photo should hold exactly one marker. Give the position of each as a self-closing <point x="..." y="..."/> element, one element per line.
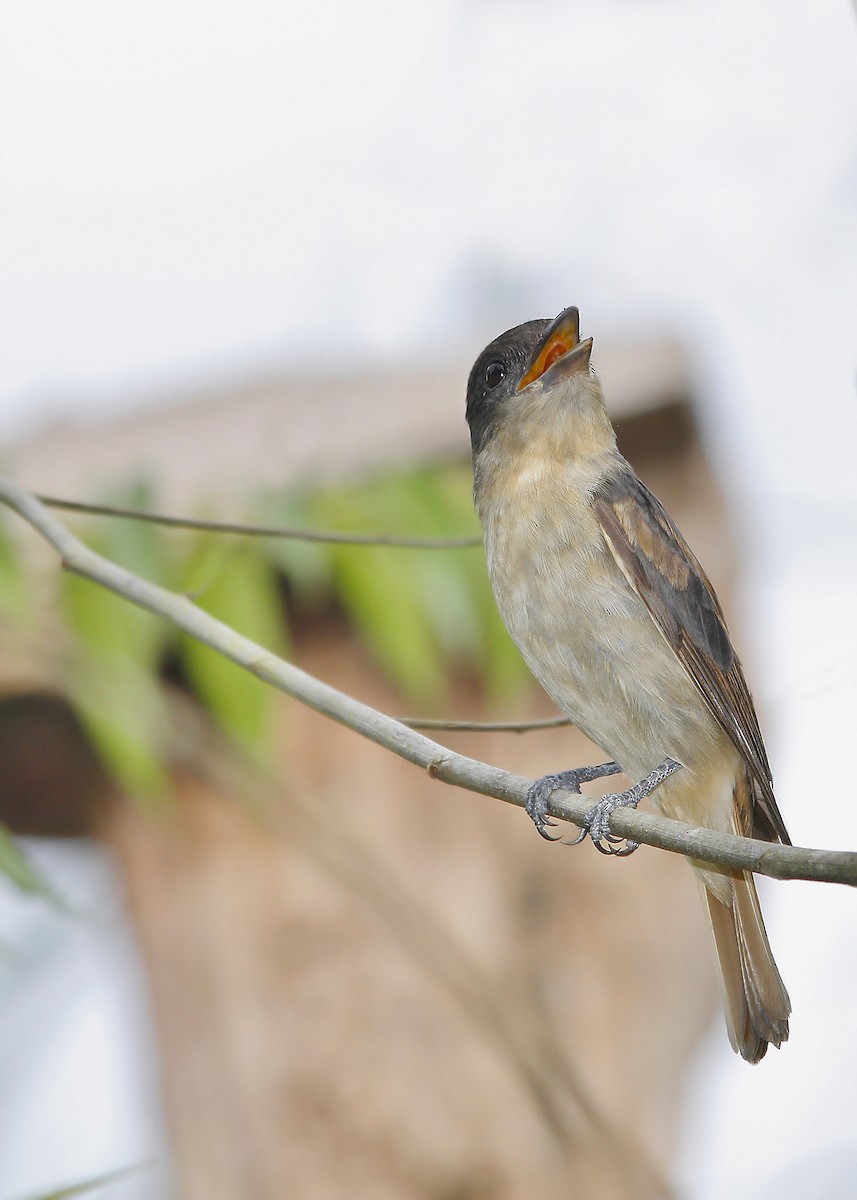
<point x="505" y="673"/>
<point x="445" y="591"/>
<point x="380" y="591"/>
<point x="238" y="586"/>
<point x="503" y="670"/>
<point x="380" y="597"/>
<point x="124" y="711"/>
<point x="18" y="869"/>
<point x="14" y="589"/>
<point x="307" y="565"/>
<point x="140" y="546"/>
<point x="110" y="627"/>
<point x="115" y="686"/>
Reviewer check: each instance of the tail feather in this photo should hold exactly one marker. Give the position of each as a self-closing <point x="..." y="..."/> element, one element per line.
<point x="769" y="1000"/>
<point x="755" y="999"/>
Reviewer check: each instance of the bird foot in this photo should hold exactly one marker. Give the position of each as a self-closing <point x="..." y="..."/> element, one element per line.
<point x="538" y="797"/>
<point x="598" y="817"/>
<point x="597" y="825"/>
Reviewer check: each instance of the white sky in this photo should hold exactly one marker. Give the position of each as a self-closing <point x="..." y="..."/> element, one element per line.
<point x="196" y="187"/>
<point x="188" y="186"/>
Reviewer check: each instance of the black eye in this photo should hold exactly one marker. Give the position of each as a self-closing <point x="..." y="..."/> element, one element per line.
<point x="495" y="373"/>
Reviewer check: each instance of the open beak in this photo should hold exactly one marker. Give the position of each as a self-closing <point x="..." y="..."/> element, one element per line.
<point x="560" y="344"/>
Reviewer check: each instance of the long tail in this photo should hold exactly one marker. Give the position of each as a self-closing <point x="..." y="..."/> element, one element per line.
<point x="755" y="999"/>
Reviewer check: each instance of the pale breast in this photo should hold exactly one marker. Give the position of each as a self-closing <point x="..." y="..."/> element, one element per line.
<point x="582" y="629"/>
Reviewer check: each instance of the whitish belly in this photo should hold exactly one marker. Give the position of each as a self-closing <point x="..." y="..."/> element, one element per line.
<point x="589" y="640"/>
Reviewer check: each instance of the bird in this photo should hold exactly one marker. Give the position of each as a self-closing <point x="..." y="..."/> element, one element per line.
<point x="618" y="622"/>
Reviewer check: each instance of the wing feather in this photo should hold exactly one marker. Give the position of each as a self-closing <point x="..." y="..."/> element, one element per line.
<point x="662" y="568"/>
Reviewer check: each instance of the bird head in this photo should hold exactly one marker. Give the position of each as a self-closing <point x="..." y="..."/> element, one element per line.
<point x="523" y="370"/>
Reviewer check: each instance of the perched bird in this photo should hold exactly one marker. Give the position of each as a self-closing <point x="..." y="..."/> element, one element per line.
<point x="618" y="622"/>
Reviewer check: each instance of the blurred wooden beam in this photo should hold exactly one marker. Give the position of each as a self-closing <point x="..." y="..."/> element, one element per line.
<point x="220" y="445"/>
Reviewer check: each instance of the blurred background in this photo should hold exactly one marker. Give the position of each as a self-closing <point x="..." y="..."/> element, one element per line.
<point x="249" y="254"/>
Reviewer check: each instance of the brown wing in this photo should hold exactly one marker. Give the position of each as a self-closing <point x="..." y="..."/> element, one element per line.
<point x="662" y="568"/>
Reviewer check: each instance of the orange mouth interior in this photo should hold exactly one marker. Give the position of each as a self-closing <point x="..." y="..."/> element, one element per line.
<point x="563" y="339"/>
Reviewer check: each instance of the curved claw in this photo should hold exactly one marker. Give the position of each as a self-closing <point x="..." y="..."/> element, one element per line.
<point x="549" y="837"/>
<point x="539" y="815"/>
<point x="539" y="796"/>
<point x="584" y="833"/>
<point x="614" y="847"/>
<point x="627" y="849"/>
<point x="598" y="821"/>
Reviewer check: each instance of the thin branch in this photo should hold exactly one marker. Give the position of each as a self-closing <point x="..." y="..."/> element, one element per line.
<point x="483" y="726"/>
<point x="267" y="531"/>
<point x="706" y="845"/>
